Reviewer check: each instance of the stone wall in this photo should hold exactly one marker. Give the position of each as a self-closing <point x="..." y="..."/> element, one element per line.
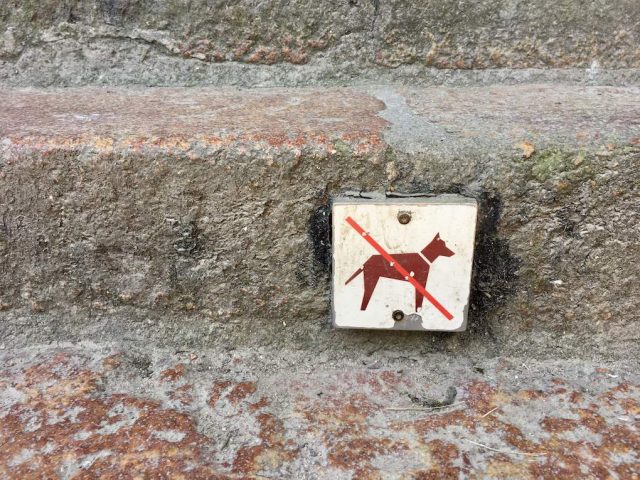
<point x="301" y="42"/>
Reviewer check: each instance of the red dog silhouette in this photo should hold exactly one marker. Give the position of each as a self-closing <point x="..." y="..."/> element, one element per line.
<point x="417" y="263"/>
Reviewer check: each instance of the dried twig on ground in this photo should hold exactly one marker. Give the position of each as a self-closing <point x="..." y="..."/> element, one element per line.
<point x="489" y="412"/>
<point x="422" y="409"/>
<point x="509" y="452"/>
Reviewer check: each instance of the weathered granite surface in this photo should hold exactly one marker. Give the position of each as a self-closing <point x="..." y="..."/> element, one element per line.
<point x="164" y="252"/>
<point x="198" y="217"/>
<point x="127" y="411"/>
<point x="303" y="42"/>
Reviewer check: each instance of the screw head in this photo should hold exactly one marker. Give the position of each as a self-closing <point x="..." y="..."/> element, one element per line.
<point x="404" y="217"/>
<point x="397" y="315"/>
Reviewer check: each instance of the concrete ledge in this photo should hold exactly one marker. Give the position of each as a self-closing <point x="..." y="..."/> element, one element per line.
<point x="199" y="217"/>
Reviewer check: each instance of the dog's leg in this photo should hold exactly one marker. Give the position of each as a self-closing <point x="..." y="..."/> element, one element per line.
<point x="422" y="280"/>
<point x="419" y="299"/>
<point x="370" y="282"/>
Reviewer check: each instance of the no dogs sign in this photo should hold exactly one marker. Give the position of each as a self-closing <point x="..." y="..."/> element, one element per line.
<point x="403" y="263"/>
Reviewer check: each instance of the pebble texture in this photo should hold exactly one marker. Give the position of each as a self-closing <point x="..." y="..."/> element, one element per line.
<point x="199" y="218"/>
<point x="172" y="42"/>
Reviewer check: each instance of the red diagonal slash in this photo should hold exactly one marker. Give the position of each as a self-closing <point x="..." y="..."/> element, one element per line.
<point x="399" y="268"/>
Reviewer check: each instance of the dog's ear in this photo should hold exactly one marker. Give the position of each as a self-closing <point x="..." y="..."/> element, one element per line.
<point x="438" y="236"/>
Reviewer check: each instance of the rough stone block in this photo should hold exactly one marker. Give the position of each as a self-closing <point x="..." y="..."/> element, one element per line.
<point x="200" y="217"/>
<point x="304" y="41"/>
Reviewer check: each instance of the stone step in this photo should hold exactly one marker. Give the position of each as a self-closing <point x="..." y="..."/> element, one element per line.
<point x="199" y="217"/>
<point x="269" y="43"/>
<point x="129" y="411"/>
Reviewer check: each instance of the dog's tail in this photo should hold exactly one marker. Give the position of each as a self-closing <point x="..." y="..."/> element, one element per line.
<point x="357" y="272"/>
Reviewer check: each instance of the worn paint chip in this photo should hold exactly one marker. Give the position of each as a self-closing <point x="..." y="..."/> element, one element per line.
<point x="403" y="263"/>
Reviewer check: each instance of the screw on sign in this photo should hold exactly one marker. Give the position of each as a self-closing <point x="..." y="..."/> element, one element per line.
<point x="408" y="267"/>
<point x="390" y="254"/>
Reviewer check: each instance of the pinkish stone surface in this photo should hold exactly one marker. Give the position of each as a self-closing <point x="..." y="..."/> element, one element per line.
<point x="94" y="412"/>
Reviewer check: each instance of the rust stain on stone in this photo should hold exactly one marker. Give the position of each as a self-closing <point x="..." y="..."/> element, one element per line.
<point x="356" y="454"/>
<point x="172" y="374"/>
<point x="241" y="391"/>
<point x="217" y="390"/>
<point x="338" y="416"/>
<point x="559" y="425"/>
<point x="272" y="451"/>
<point x="181" y="120"/>
<point x="64" y="415"/>
<point x="112" y="361"/>
<point x="183" y="394"/>
<point x="560" y="455"/>
<point x="61" y="426"/>
<point x="263" y="402"/>
<point x="444" y="457"/>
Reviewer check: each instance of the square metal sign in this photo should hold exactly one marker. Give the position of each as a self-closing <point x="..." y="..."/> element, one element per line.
<point x="403" y="263"/>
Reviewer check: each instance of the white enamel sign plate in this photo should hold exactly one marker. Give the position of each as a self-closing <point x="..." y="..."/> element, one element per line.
<point x="403" y="263"/>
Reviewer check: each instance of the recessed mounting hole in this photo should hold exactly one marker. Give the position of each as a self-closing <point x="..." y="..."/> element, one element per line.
<point x="397" y="315"/>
